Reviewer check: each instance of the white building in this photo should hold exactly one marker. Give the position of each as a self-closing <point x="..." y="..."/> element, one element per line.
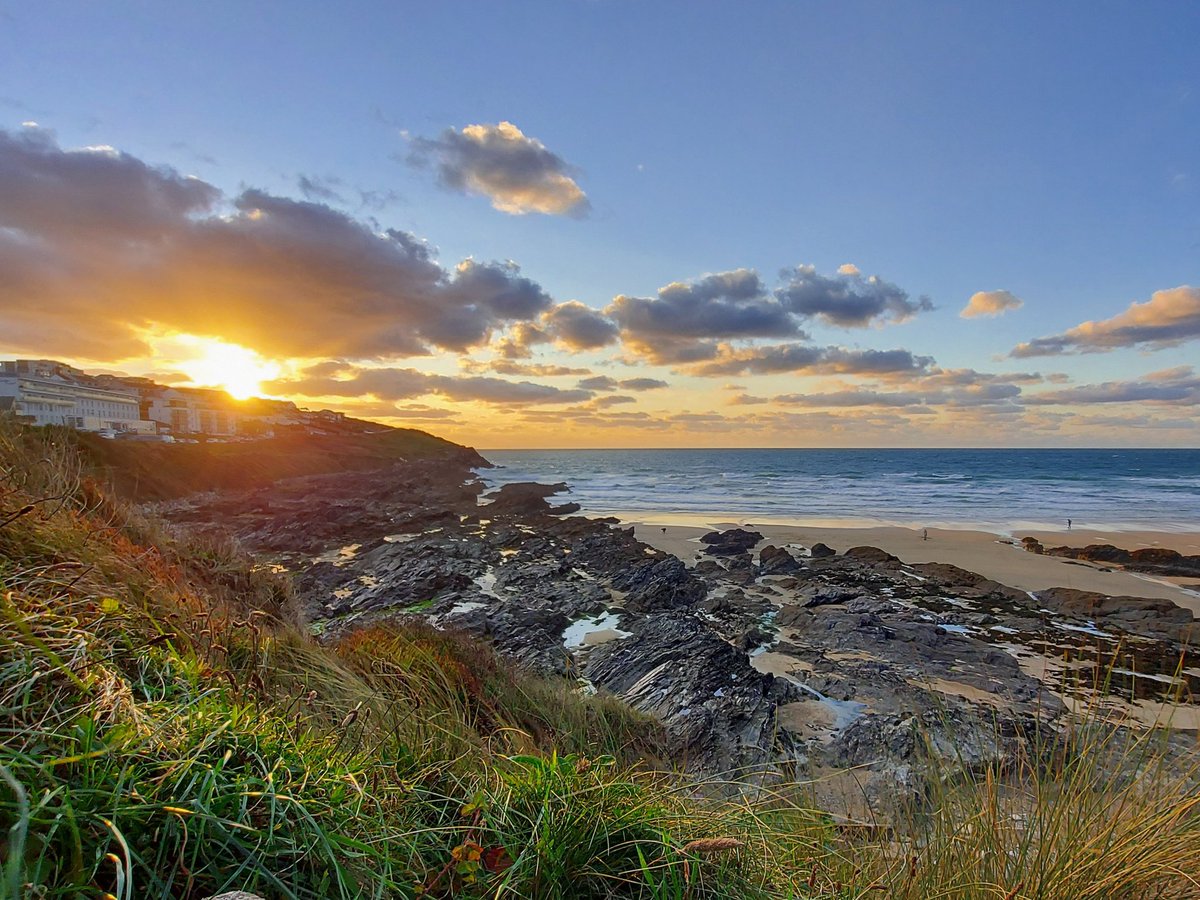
<point x="191" y="410"/>
<point x="44" y="392"/>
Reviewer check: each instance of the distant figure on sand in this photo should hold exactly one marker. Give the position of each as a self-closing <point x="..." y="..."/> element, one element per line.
<point x="664" y="531"/>
<point x="1068" y="524"/>
<point x="924" y="534"/>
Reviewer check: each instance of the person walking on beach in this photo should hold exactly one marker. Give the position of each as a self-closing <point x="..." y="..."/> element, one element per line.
<point x="924" y="534"/>
<point x="1068" y="524"/>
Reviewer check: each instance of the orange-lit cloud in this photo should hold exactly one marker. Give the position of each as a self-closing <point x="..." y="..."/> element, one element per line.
<point x="517" y="173"/>
<point x="1168" y="317"/>
<point x="95" y="245"/>
<point x="991" y="304"/>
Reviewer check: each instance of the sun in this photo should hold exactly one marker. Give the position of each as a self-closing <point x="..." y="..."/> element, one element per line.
<point x="236" y="369"/>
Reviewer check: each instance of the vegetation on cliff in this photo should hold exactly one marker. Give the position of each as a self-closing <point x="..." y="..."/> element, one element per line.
<point x="167" y="729"/>
<point x="152" y="471"/>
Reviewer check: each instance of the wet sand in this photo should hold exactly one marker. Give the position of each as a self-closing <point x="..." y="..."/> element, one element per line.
<point x="995" y="556"/>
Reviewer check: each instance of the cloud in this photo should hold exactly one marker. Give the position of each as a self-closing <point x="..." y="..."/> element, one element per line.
<point x="725" y="305"/>
<point x="401" y="384"/>
<point x="852" y="398"/>
<point x="572" y="325"/>
<point x="961" y="389"/>
<point x="642" y="384"/>
<point x="848" y="299"/>
<point x="321" y="189"/>
<point x="780" y="358"/>
<point x="991" y="304"/>
<point x="612" y="400"/>
<point x="605" y="383"/>
<point x="1169" y="317"/>
<point x="1179" y="386"/>
<point x="696" y="322"/>
<point x="512" y="367"/>
<point x="579" y="327"/>
<point x="85" y="233"/>
<point x="517" y="173"/>
<point x="421" y="411"/>
<point x="681" y="324"/>
<point x="744" y="399"/>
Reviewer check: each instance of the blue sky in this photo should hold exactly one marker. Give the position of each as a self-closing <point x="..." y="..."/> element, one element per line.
<point x="1047" y="150"/>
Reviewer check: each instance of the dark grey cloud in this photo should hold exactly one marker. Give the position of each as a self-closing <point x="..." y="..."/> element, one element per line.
<point x="693" y="322"/>
<point x="968" y="378"/>
<point x="1173" y="387"/>
<point x="95" y="243"/>
<point x="579" y="327"/>
<point x="642" y="384"/>
<point x="960" y="389"/>
<point x="571" y="325"/>
<point x="98" y="194"/>
<point x="725" y="305"/>
<point x="517" y="173"/>
<point x="402" y="384"/>
<point x="599" y="383"/>
<point x="780" y="358"/>
<point x="1169" y="317"/>
<point x="321" y="189"/>
<point x="848" y="299"/>
<point x="330" y="189"/>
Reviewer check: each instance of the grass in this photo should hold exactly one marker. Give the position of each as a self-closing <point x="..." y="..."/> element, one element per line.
<point x="168" y="729"/>
<point x="153" y="471"/>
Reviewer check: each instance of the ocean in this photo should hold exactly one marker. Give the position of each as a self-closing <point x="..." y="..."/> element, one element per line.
<point x="997" y="490"/>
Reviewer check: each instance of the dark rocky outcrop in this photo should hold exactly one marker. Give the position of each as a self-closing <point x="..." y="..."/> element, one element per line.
<point x="872" y="555"/>
<point x="527" y="498"/>
<point x="731" y="542"/>
<point x="657" y="585"/>
<point x="1139" y="615"/>
<point x="1148" y="560"/>
<point x="821" y="551"/>
<point x="777" y="561"/>
<point x="719" y="711"/>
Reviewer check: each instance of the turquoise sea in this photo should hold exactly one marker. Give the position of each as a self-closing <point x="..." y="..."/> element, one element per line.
<point x="1000" y="490"/>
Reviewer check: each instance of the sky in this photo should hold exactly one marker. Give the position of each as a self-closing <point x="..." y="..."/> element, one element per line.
<point x="619" y="224"/>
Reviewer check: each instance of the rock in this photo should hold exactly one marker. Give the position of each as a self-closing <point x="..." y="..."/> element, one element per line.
<point x="791" y="615"/>
<point x="1140" y="615"/>
<point x="825" y="594"/>
<point x="523" y="498"/>
<point x="1151" y="560"/>
<point x="753" y="637"/>
<point x="777" y="561"/>
<point x="1033" y="545"/>
<point x="732" y="542"/>
<point x="532" y="637"/>
<point x="657" y="585"/>
<point x="719" y="712"/>
<point x="872" y="555"/>
<point x="821" y="551"/>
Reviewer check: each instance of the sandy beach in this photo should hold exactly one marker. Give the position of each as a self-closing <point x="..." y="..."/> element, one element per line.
<point x="996" y="556"/>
